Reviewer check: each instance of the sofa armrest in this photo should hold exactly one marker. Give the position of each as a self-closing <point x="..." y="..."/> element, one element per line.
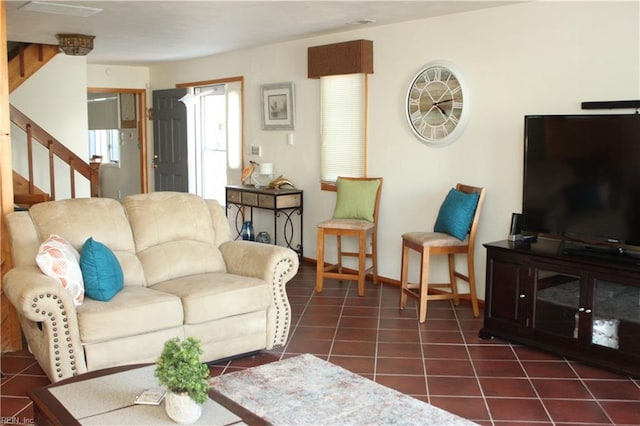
<point x="48" y="319"/>
<point x="274" y="264"/>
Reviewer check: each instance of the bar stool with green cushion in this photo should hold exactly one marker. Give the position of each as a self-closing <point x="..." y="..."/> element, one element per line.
<point x="454" y="233"/>
<point x="355" y="216"/>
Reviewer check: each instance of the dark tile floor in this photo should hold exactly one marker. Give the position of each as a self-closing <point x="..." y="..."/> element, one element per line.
<point x="442" y="361"/>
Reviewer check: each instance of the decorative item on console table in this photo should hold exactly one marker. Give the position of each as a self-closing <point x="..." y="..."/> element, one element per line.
<point x="265" y="171"/>
<point x="180" y="370"/>
<point x="279" y="182"/>
<point x="263" y="237"/>
<point x="247" y="232"/>
<point x="247" y="172"/>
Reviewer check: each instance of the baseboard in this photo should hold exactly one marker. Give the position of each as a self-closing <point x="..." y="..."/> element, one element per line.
<point x="390" y="281"/>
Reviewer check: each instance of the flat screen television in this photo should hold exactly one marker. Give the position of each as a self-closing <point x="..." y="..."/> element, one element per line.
<point x="582" y="178"/>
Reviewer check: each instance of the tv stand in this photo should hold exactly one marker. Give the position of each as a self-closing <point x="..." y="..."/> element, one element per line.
<point x="608" y="253"/>
<point x="580" y="306"/>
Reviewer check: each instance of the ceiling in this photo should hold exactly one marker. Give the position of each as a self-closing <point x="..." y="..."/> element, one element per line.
<point x="148" y="31"/>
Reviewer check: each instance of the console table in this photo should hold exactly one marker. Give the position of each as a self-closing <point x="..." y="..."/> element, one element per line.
<point x="285" y="203"/>
<point x="582" y="307"/>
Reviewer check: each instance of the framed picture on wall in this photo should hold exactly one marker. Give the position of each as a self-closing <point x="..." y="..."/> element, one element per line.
<point x="278" y="106"/>
<point x="128" y="111"/>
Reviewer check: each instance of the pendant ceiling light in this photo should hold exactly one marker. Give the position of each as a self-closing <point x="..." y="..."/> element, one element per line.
<point x="75" y="44"/>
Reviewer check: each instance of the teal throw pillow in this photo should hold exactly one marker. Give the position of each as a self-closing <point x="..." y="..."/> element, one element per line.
<point x="356" y="199"/>
<point x="101" y="271"/>
<point x="456" y="213"/>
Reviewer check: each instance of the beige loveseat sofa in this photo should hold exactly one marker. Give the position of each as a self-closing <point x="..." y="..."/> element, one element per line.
<point x="184" y="275"/>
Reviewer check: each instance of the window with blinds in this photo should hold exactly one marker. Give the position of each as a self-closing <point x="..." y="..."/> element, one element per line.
<point x="343" y="117"/>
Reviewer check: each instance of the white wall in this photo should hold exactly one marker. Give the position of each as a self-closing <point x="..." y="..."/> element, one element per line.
<point x="56" y="99"/>
<point x="117" y="76"/>
<point x="543" y="57"/>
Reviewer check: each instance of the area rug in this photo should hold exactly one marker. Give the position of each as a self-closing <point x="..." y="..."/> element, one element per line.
<point x="305" y="390"/>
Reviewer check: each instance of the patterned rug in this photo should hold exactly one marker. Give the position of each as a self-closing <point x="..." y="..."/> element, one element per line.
<point x="305" y="390"/>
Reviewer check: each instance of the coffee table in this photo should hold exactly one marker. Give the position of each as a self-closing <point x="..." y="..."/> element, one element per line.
<point x="106" y="397"/>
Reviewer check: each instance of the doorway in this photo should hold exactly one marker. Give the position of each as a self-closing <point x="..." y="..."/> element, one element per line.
<point x="214" y="128"/>
<point x="118" y="140"/>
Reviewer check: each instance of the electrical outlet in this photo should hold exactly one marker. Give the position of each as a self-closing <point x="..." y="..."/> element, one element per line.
<point x="256" y="150"/>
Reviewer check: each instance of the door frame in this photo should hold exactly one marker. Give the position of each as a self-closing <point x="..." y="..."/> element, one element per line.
<point x="141" y="121"/>
<point x="236" y="79"/>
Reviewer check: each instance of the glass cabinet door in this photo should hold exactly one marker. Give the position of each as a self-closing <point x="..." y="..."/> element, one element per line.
<point x="557" y="303"/>
<point x="615" y="320"/>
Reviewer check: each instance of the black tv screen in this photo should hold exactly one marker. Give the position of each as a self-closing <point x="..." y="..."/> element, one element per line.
<point x="582" y="177"/>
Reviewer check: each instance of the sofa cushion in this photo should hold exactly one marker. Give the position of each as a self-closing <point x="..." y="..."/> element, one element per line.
<point x="220" y="222"/>
<point x="133" y="311"/>
<point x="101" y="271"/>
<point x="59" y="260"/>
<point x="104" y="219"/>
<point x="215" y="295"/>
<point x="174" y="235"/>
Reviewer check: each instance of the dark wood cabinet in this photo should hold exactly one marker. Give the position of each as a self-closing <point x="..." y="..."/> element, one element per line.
<point x="585" y="308"/>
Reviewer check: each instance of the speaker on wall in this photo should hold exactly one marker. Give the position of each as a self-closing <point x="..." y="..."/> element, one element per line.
<point x="611" y="104"/>
<point x="515" y="231"/>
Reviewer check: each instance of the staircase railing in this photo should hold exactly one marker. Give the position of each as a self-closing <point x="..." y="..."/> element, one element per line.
<point x="28" y="59"/>
<point x="56" y="149"/>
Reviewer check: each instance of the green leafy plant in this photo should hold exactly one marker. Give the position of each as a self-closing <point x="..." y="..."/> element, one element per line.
<point x="180" y="370"/>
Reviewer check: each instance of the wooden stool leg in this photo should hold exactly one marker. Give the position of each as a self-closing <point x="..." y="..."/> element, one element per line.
<point x="362" y="259"/>
<point x="404" y="280"/>
<point x="452" y="279"/>
<point x="339" y="247"/>
<point x="320" y="261"/>
<point x="472" y="286"/>
<point x="424" y="284"/>
<point x="374" y="255"/>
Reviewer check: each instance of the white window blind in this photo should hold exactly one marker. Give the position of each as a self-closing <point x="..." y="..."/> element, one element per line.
<point x="343" y="126"/>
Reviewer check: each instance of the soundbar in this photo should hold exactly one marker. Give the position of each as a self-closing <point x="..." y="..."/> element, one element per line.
<point x="611" y="104"/>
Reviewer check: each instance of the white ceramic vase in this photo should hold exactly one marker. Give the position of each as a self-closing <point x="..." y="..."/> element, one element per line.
<point x="182" y="409"/>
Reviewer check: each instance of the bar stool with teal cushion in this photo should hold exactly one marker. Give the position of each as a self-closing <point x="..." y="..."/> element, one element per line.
<point x="454" y="233"/>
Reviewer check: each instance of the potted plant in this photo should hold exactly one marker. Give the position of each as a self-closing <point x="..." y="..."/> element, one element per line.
<point x="185" y="377"/>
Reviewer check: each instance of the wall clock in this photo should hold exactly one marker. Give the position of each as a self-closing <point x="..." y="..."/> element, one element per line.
<point x="438" y="104"/>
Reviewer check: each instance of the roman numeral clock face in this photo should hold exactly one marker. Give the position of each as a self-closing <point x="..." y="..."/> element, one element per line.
<point x="437" y="104"/>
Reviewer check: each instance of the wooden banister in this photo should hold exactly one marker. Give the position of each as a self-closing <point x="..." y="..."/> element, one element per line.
<point x="30" y="58"/>
<point x="56" y="149"/>
<point x="30" y="199"/>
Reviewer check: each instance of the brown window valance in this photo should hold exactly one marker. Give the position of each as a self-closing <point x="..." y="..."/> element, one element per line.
<point x="349" y="57"/>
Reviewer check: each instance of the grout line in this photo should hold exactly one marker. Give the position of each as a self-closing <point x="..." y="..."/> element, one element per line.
<point x="335" y="332"/>
<point x="424" y="364"/>
<point x="591" y="393"/>
<point x="529" y="379"/>
<point x="379" y="315"/>
<point x="473" y="365"/>
<point x="22" y="411"/>
<point x="292" y="332"/>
